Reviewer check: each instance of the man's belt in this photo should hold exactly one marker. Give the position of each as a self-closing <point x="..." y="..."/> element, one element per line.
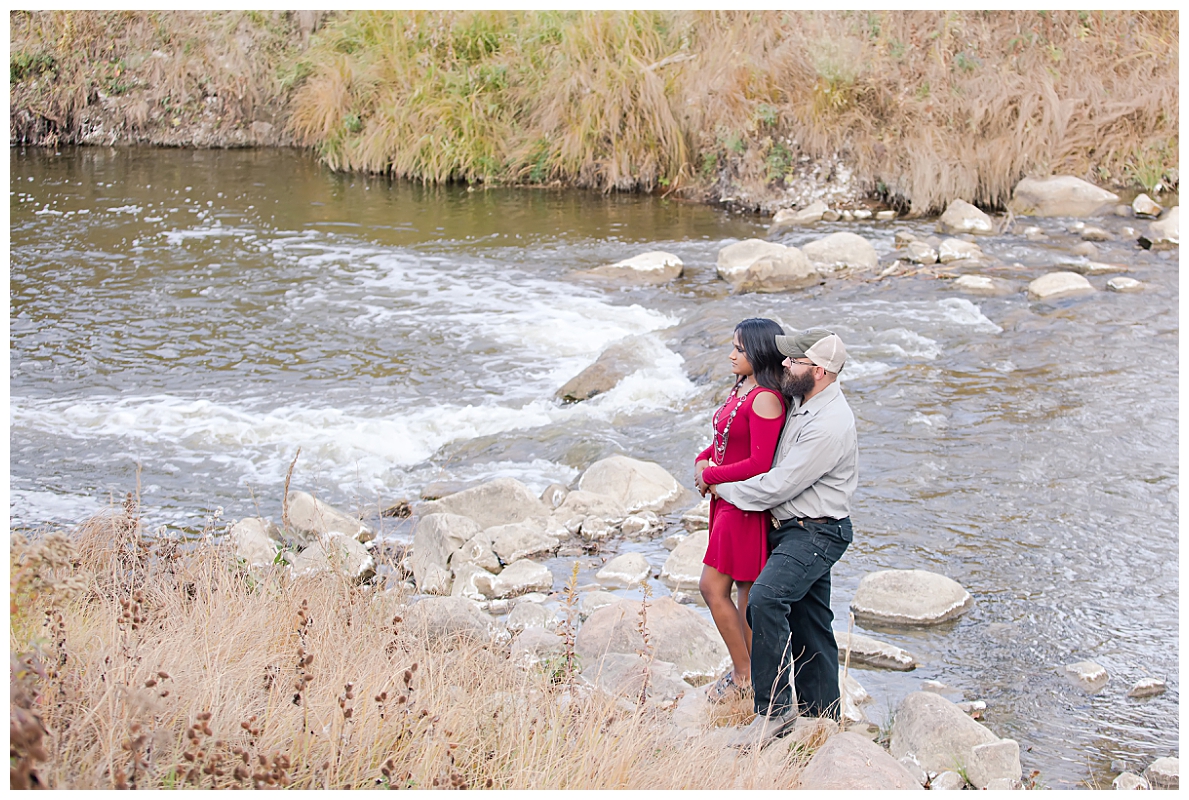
<point x="776" y="523"/>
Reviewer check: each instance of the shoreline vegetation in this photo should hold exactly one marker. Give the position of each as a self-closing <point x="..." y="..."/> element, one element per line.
<point x="755" y="110"/>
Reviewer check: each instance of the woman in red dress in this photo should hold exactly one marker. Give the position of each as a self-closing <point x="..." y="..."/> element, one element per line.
<point x="746" y="430"/>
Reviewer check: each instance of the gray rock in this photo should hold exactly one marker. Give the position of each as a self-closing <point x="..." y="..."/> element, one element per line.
<point x="449" y="618"/>
<point x="1164" y="773"/>
<point x="1003" y="785"/>
<point x="862" y="213"/>
<point x="948" y="780"/>
<point x="1129" y="781"/>
<point x="1059" y="196"/>
<point x="653" y="267"/>
<point x="1087" y="675"/>
<point x="787" y="218"/>
<point x="1166" y="231"/>
<point x="1124" y="211"/>
<point x="909" y="762"/>
<point x="1059" y="284"/>
<point x="683" y="567"/>
<point x="1094" y="268"/>
<point x="994" y="760"/>
<point x="754" y="265"/>
<point x="464" y="584"/>
<point x="848" y="761"/>
<point x="885" y="215"/>
<point x="580" y="503"/>
<point x="1124" y="285"/>
<point x="852" y="695"/>
<point x="1092" y="233"/>
<point x="921" y="253"/>
<point x="962" y="217"/>
<point x="477" y="550"/>
<point x="622" y="675"/>
<point x="957" y="250"/>
<point x="698" y="517"/>
<point x="310" y="518"/>
<point x="593" y="601"/>
<point x="677" y="634"/>
<point x="338" y="553"/>
<point x="615" y="363"/>
<point x="637" y="485"/>
<point x="554" y="495"/>
<point x="535" y="645"/>
<point x="256" y="540"/>
<point x="982" y="284"/>
<point x="830" y="215"/>
<point x="909" y="597"/>
<point x="595" y="528"/>
<point x="640" y="524"/>
<point x="517" y="578"/>
<point x="624" y="571"/>
<point x="498" y="502"/>
<point x="1148" y="687"/>
<point x="841" y="251"/>
<point x="521" y="540"/>
<point x="935" y="731"/>
<point x="1086" y="249"/>
<point x="873" y="653"/>
<point x="671" y="541"/>
<point x="1144" y="206"/>
<point x="435" y="540"/>
<point x="531" y="615"/>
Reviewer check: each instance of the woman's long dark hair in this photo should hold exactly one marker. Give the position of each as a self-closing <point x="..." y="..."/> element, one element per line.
<point x="758" y="337"/>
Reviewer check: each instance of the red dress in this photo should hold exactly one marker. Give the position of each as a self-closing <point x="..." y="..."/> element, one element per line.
<point x="739" y="539"/>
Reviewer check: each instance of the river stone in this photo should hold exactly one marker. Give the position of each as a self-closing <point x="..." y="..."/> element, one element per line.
<point x="498" y="502"/>
<point x="1092" y="233"/>
<point x="873" y="653"/>
<point x="921" y="253"/>
<point x="862" y="213"/>
<point x="1095" y="268"/>
<point x="1059" y="284"/>
<point x="962" y="217"/>
<point x="787" y="218"/>
<point x="615" y="363"/>
<point x="1164" y="773"/>
<point x="310" y="518"/>
<point x="683" y="567"/>
<point x="640" y="524"/>
<point x="1124" y="285"/>
<point x="754" y="265"/>
<point x="520" y="540"/>
<point x="464" y="584"/>
<point x="698" y="517"/>
<point x="948" y="780"/>
<point x="1144" y="206"/>
<point x="957" y="250"/>
<point x="885" y="215"/>
<point x="477" y="550"/>
<point x="535" y="645"/>
<point x="581" y="503"/>
<point x="1129" y="781"/>
<point x="1087" y="675"/>
<point x="435" y="539"/>
<point x="554" y="495"/>
<point x="1086" y="250"/>
<point x="256" y="541"/>
<point x="982" y="284"/>
<point x="624" y="571"/>
<point x="637" y="485"/>
<point x="1148" y="687"/>
<point x="918" y="773"/>
<point x="517" y="578"/>
<point x="336" y="553"/>
<point x="909" y="597"/>
<point x="1059" y="196"/>
<point x="622" y="675"/>
<point x="937" y="732"/>
<point x="841" y="251"/>
<point x="852" y="694"/>
<point x="850" y="762"/>
<point x="1167" y="230"/>
<point x="531" y="615"/>
<point x="594" y="529"/>
<point x="655" y="266"/>
<point x="442" y="618"/>
<point x="677" y="634"/>
<point x="593" y="601"/>
<point x="994" y="761"/>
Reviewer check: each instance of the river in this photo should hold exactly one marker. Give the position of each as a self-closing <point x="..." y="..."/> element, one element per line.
<point x="199" y="315"/>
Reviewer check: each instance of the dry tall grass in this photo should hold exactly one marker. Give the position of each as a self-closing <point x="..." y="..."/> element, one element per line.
<point x="143" y="665"/>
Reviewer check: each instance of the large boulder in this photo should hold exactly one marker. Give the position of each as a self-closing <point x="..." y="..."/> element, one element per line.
<point x="613" y="365"/>
<point x="754" y="265"/>
<point x="580" y="504"/>
<point x="336" y="553"/>
<point x="909" y="597"/>
<point x="310" y="518"/>
<point x="936" y="732"/>
<point x="683" y="567"/>
<point x="1166" y="231"/>
<point x="872" y="652"/>
<point x="622" y="675"/>
<point x="637" y="485"/>
<point x="624" y="571"/>
<point x="655" y="266"/>
<point x="787" y="218"/>
<point x="256" y="541"/>
<point x="449" y="618"/>
<point x="521" y="540"/>
<point x="841" y="251"/>
<point x="519" y="578"/>
<point x="435" y="540"/>
<point x="962" y="217"/>
<point x="1059" y="284"/>
<point x="677" y="634"/>
<point x="497" y="502"/>
<point x="848" y="761"/>
<point x="1059" y="196"/>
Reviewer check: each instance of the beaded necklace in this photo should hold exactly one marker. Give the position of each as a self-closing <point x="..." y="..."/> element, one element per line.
<point x="720" y="440"/>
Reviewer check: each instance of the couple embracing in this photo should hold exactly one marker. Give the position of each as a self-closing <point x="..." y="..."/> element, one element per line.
<point x="781" y="472"/>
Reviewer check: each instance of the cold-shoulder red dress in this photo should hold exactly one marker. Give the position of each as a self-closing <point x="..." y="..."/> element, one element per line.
<point x="739" y="539"/>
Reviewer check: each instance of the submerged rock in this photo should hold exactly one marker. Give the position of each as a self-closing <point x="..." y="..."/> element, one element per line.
<point x="1059" y="284"/>
<point x="848" y="761"/>
<point x="909" y="597"/>
<point x="1059" y="196"/>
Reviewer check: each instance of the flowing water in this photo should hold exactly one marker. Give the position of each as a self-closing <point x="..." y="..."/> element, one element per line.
<point x="200" y="315"/>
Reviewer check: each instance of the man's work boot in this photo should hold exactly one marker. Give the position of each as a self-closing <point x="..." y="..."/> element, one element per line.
<point x="762" y="730"/>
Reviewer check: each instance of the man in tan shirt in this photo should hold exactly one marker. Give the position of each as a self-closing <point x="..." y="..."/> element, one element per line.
<point x="808" y="491"/>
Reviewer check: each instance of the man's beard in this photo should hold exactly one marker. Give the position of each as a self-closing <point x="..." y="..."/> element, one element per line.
<point x="797" y="385"/>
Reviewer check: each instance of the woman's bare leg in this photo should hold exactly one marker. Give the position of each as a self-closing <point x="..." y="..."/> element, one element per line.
<point x="716" y="591"/>
<point x="742" y="590"/>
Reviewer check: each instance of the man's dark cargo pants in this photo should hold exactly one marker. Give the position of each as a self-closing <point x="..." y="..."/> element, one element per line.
<point x="790" y="617"/>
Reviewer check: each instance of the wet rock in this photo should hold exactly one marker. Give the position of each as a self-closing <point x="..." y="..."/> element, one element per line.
<point x="748" y="267"/>
<point x="593" y="601"/>
<point x="683" y="567"/>
<point x="1124" y="285"/>
<point x="787" y="218"/>
<point x="1166" y="231"/>
<point x="1123" y="210"/>
<point x="1087" y="675"/>
<point x="909" y="597"/>
<point x="498" y="502"/>
<point x="1086" y="249"/>
<point x="310" y="518"/>
<point x="640" y="524"/>
<point x="848" y="215"/>
<point x="534" y="645"/>
<point x="848" y="761"/>
<point x="1034" y="234"/>
<point x="1092" y="233"/>
<point x="594" y="529"/>
<point x="994" y="761"/>
<point x="962" y="217"/>
<point x="517" y="578"/>
<point x="885" y="215"/>
<point x="1144" y="206"/>
<point x="921" y="253"/>
<point x="652" y="267"/>
<point x="624" y="571"/>
<point x="435" y="540"/>
<point x="1164" y="773"/>
<point x="862" y="213"/>
<point x="622" y="675"/>
<point x="972" y="708"/>
<point x="477" y="550"/>
<point x="903" y="238"/>
<point x="531" y="615"/>
<point x="873" y="653"/>
<point x="1129" y="781"/>
<point x="444" y="618"/>
<point x="698" y="517"/>
<point x="852" y="695"/>
<point x="671" y="541"/>
<point x="1094" y="268"/>
<point x="336" y="553"/>
<point x="553" y="495"/>
<point x="1059" y="196"/>
<point x="958" y="250"/>
<point x="935" y="731"/>
<point x="637" y="485"/>
<point x="677" y="634"/>
<point x="1059" y="284"/>
<point x="256" y="540"/>
<point x="521" y="540"/>
<point x="1148" y="687"/>
<point x="581" y="503"/>
<point x="841" y="251"/>
<point x="982" y="284"/>
<point x="613" y="365"/>
<point x="948" y="780"/>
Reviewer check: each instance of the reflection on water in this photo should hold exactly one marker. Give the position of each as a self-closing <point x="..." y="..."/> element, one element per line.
<point x="203" y="314"/>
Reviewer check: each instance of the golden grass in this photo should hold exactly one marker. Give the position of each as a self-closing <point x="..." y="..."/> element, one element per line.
<point x="148" y="666"/>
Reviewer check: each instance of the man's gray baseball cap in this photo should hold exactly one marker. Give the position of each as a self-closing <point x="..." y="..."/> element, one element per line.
<point x="818" y="345"/>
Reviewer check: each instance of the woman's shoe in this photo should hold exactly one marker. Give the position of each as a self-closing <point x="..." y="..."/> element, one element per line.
<point x="726" y="689"/>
